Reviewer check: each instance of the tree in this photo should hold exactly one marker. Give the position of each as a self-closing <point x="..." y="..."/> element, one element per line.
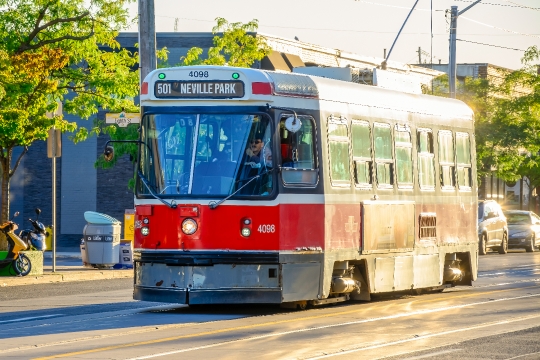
<point x="234" y="45"/>
<point x="507" y="120"/>
<point x="511" y="135"/>
<point x="56" y="51"/>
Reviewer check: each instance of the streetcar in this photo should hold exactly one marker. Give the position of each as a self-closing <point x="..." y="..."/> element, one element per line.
<point x="256" y="186"/>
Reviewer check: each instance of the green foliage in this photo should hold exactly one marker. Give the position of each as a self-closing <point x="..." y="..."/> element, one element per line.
<point x="59" y="51"/>
<point x="233" y="46"/>
<point x="513" y="135"/>
<point x="507" y="119"/>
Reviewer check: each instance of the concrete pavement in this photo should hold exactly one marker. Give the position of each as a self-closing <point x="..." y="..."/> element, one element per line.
<point x="69" y="267"/>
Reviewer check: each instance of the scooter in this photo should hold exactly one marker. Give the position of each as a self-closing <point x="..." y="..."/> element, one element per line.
<point x="35" y="238"/>
<point x="20" y="263"/>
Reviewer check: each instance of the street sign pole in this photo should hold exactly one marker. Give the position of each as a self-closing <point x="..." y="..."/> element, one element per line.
<point x="54" y="212"/>
<point x="54" y="150"/>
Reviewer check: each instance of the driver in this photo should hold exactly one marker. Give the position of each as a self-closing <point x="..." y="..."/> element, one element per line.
<point x="258" y="153"/>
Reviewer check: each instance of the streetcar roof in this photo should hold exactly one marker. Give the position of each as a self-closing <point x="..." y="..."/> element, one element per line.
<point x="265" y="86"/>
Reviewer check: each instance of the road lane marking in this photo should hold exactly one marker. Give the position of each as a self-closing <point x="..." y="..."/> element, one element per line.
<point x="443" y="352"/>
<point x="30" y="318"/>
<point x="246" y="327"/>
<point x="422" y="337"/>
<point x="420" y="312"/>
<point x="520" y="356"/>
<point x="314" y="317"/>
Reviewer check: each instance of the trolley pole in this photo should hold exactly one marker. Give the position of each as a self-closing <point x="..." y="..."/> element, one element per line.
<point x="452" y="64"/>
<point x="147" y="38"/>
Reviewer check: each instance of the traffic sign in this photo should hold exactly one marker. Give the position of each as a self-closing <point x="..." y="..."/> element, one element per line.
<point x="123" y="119"/>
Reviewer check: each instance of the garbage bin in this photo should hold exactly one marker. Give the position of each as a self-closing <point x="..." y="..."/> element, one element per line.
<point x="102" y="239"/>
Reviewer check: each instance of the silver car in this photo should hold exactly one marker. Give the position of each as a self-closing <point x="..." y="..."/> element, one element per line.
<point x="523" y="229"/>
<point x="492" y="228"/>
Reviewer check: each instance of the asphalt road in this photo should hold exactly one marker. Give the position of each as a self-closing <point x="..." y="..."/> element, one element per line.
<point x="497" y="318"/>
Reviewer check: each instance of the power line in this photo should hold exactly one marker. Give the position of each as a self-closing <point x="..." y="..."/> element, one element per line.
<point x="479" y="43"/>
<point x="392" y="6"/>
<point x="495" y="27"/>
<point x="346" y="30"/>
<point x="505" y="5"/>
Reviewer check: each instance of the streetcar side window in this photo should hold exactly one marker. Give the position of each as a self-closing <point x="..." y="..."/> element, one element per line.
<point x="426" y="159"/>
<point x="338" y="147"/>
<point x="299" y="167"/>
<point x="384" y="163"/>
<point x="446" y="159"/>
<point x="463" y="157"/>
<point x="403" y="144"/>
<point x="361" y="145"/>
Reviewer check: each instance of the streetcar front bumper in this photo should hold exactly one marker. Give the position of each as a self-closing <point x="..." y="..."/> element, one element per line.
<point x="207" y="278"/>
<point x="215" y="284"/>
<point x="225" y="277"/>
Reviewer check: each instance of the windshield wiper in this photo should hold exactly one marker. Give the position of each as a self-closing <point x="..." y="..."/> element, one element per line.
<point x="172" y="205"/>
<point x="214" y="204"/>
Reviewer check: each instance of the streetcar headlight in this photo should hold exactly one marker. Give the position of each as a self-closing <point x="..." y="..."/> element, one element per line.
<point x="189" y="226"/>
<point x="145" y="230"/>
<point x="246" y="232"/>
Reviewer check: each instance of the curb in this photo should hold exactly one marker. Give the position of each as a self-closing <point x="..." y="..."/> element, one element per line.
<point x="66" y="277"/>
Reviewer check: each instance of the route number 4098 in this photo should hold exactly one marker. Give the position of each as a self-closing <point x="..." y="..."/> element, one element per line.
<point x="265" y="229"/>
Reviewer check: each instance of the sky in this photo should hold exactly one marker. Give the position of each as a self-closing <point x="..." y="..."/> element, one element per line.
<point x="492" y="31"/>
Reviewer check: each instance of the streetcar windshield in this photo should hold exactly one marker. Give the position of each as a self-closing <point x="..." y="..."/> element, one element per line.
<point x="207" y="154"/>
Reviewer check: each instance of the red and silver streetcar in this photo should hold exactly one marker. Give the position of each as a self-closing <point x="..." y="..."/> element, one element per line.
<point x="264" y="187"/>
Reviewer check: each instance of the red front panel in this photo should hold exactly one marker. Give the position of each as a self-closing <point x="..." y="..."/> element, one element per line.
<point x="280" y="227"/>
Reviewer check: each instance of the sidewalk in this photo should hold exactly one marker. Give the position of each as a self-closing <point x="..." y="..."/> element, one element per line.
<point x="69" y="267"/>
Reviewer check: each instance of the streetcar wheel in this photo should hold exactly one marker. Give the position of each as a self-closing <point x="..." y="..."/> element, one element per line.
<point x="532" y="245"/>
<point x="482" y="246"/>
<point x="22" y="265"/>
<point x="503" y="249"/>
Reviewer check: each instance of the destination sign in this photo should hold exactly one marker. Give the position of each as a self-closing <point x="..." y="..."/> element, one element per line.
<point x="217" y="89"/>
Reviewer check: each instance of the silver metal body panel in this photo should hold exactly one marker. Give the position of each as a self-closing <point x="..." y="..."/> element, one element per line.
<point x="301" y="281"/>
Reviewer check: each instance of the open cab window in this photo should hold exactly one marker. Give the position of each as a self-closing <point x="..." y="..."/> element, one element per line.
<point x="298" y="153"/>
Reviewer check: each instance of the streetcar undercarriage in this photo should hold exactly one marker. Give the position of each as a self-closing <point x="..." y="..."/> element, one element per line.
<point x="233" y="278"/>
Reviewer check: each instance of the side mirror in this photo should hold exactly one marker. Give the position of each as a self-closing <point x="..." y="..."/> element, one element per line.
<point x="15" y="215"/>
<point x="108" y="154"/>
<point x="491" y="215"/>
<point x="38" y="211"/>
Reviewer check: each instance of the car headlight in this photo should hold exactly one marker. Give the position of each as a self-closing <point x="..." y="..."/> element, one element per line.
<point x="189" y="226"/>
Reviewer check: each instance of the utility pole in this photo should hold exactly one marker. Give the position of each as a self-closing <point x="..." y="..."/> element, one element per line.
<point x="452" y="65"/>
<point x="147" y="38"/>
